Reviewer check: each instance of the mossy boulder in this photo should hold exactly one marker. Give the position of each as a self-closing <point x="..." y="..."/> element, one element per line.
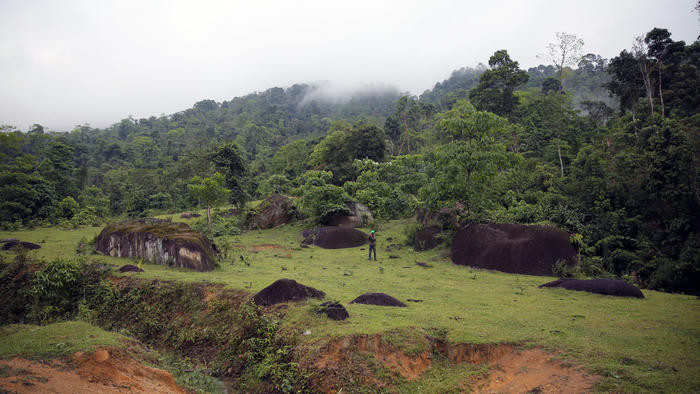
<point x="158" y="241"/>
<point x="359" y="215"/>
<point x="272" y="212"/>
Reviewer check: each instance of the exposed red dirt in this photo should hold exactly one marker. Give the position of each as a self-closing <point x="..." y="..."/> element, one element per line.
<point x="107" y="370"/>
<point x="533" y="371"/>
<point x="511" y="369"/>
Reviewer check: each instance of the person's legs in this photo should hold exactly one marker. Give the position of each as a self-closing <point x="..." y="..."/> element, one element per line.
<point x="373" y="248"/>
<point x="370" y="253"/>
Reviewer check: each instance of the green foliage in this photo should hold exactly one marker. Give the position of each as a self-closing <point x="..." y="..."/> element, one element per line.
<point x="68" y="207"/>
<point x="60" y="284"/>
<point x="209" y="191"/>
<point x="496" y="85"/>
<point x="219" y="226"/>
<point x="464" y="122"/>
<point x="323" y="202"/>
<point x="339" y="149"/>
<point x="228" y="159"/>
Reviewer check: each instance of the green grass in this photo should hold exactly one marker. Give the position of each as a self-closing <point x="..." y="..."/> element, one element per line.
<point x="54" y="340"/>
<point x="636" y="344"/>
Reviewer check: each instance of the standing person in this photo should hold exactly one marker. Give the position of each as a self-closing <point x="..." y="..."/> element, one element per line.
<point x="372" y="245"/>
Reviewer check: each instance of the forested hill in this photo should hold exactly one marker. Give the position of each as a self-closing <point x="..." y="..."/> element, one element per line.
<point x="255" y="122"/>
<point x="608" y="151"/>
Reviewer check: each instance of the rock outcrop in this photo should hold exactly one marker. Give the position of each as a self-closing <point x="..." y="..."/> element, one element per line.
<point x="334" y="310"/>
<point x="15" y="244"/>
<point x="379" y="299"/>
<point x="285" y="290"/>
<point x="272" y="212"/>
<point x="426" y="238"/>
<point x="613" y="287"/>
<point x="158" y="241"/>
<point x="358" y="216"/>
<point x="334" y="237"/>
<point x="513" y="248"/>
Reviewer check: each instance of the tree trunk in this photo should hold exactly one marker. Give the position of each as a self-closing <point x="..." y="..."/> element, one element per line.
<point x="647" y="84"/>
<point x="209" y="214"/>
<point x="661" y="95"/>
<point x="561" y="162"/>
<point x="515" y="142"/>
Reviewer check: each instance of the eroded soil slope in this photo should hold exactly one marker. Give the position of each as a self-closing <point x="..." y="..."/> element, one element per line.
<point x="107" y="370"/>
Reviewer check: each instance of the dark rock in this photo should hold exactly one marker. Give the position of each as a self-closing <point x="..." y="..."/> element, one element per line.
<point x="393" y="256"/>
<point x="334" y="237"/>
<point x="130" y="268"/>
<point x="513" y="248"/>
<point x="354" y="218"/>
<point x="613" y="287"/>
<point x="284" y="290"/>
<point x="426" y="238"/>
<point x="158" y="241"/>
<point x="426" y="265"/>
<point x="189" y="215"/>
<point x="393" y="247"/>
<point x="334" y="310"/>
<point x="13" y="244"/>
<point x="380" y="299"/>
<point x="275" y="211"/>
<point x="413" y="300"/>
<point x="449" y="216"/>
<point x="8" y="240"/>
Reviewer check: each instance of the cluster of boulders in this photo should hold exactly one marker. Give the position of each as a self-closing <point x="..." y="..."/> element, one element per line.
<point x="288" y="290"/>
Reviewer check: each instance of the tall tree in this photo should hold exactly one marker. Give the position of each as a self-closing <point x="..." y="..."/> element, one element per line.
<point x="209" y="191"/>
<point x="566" y="51"/>
<point x="496" y="85"/>
<point x="229" y="161"/>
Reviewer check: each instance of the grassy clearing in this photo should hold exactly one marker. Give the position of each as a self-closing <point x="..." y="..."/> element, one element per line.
<point x="638" y="345"/>
<point x="55" y="340"/>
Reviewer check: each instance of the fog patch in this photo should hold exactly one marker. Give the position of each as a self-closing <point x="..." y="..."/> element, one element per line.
<point x="337" y="93"/>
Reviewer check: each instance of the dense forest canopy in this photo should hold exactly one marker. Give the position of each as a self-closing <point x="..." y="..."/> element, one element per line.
<point x="607" y="149"/>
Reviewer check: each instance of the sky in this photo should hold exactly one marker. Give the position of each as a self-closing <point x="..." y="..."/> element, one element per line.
<point x="65" y="63"/>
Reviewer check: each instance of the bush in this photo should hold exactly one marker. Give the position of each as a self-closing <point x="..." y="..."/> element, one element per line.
<point x="59" y="286"/>
<point x="323" y="202"/>
<point x="410" y="233"/>
<point x="220" y="226"/>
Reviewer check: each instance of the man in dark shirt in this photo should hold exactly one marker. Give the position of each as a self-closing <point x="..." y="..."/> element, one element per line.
<point x="372" y="245"/>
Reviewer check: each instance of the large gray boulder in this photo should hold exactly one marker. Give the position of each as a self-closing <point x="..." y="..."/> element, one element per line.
<point x="158" y="241"/>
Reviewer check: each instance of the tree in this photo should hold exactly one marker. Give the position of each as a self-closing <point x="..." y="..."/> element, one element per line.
<point x="626" y="82"/>
<point x="209" y="191"/>
<point x="229" y="161"/>
<point x="464" y="122"/>
<point x="496" y="85"/>
<point x="68" y="207"/>
<point x="339" y="149"/>
<point x="639" y="49"/>
<point x="666" y="53"/>
<point x="566" y="51"/>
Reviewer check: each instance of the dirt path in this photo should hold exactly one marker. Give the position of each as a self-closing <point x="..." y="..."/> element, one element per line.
<point x="104" y="371"/>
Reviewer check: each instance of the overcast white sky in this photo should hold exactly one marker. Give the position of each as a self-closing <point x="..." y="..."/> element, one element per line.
<point x="65" y="63"/>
